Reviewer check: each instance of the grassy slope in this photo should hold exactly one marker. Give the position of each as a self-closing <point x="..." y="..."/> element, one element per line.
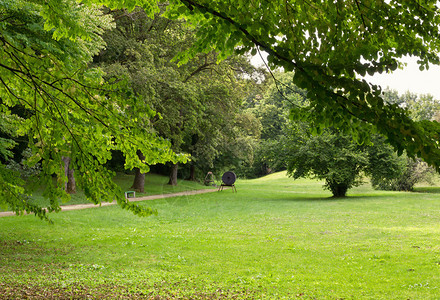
<point x="276" y="238"/>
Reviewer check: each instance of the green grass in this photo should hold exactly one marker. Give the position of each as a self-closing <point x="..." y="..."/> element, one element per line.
<point x="275" y="238"/>
<point x="154" y="185"/>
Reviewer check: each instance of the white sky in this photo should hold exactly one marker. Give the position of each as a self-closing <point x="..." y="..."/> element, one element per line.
<point x="409" y="79"/>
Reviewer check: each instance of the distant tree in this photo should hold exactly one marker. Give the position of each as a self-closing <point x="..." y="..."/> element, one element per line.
<point x="308" y="151"/>
<point x="222" y="121"/>
<point x="420" y="107"/>
<point x="409" y="172"/>
<point x="400" y="173"/>
<point x="238" y="147"/>
<point x="273" y="110"/>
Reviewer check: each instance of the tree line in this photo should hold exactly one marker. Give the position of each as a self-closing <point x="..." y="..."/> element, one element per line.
<point x="159" y="83"/>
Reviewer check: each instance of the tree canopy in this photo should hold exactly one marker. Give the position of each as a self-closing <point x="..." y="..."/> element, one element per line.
<point x="195" y="102"/>
<point x="329" y="45"/>
<point x="67" y="109"/>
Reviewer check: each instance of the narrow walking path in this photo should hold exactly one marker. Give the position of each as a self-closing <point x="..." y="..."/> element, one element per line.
<point x="151" y="197"/>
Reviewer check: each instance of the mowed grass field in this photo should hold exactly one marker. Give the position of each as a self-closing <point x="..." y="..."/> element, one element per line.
<point x="275" y="238"/>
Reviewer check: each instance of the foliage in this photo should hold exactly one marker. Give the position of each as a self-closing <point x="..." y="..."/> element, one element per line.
<point x="273" y="108"/>
<point x="413" y="172"/>
<point x="283" y="140"/>
<point x="239" y="147"/>
<point x="330" y="156"/>
<point x="391" y="172"/>
<point x="22" y="168"/>
<point x="8" y="125"/>
<point x="328" y="45"/>
<point x="196" y="102"/>
<point x="384" y="164"/>
<point x="420" y="107"/>
<point x="45" y="52"/>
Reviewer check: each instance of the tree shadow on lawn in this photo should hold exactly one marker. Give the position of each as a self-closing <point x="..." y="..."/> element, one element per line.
<point x="428" y="190"/>
<point x="328" y="199"/>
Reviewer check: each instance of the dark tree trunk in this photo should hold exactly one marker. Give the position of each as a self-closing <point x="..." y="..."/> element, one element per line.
<point x="173" y="174"/>
<point x="139" y="178"/>
<point x="139" y="181"/>
<point x="192" y="173"/>
<point x="338" y="190"/>
<point x="70" y="186"/>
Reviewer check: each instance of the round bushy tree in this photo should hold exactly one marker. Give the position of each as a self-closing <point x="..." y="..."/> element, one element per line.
<point x="331" y="156"/>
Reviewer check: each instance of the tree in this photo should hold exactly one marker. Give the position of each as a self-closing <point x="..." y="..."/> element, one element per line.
<point x="420" y="107"/>
<point x="130" y="55"/>
<point x="45" y="51"/>
<point x="194" y="101"/>
<point x="387" y="170"/>
<point x="328" y="44"/>
<point x="70" y="184"/>
<point x="273" y="109"/>
<point x="330" y="156"/>
<point x="406" y="173"/>
<point x="340" y="161"/>
<point x="222" y="124"/>
<point x="239" y="145"/>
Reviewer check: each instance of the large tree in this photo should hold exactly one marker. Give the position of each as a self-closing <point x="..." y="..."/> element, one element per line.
<point x="329" y="45"/>
<point x="195" y="102"/>
<point x="45" y="51"/>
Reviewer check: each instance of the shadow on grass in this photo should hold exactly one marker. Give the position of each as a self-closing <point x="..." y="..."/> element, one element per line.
<point x="429" y="190"/>
<point x="328" y="199"/>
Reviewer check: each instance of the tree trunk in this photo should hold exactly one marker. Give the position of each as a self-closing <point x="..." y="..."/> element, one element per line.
<point x="139" y="178"/>
<point x="338" y="190"/>
<point x="192" y="172"/>
<point x="173" y="174"/>
<point x="70" y="185"/>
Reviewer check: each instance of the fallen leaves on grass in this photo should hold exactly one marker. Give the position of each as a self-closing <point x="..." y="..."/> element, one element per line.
<point x="158" y="292"/>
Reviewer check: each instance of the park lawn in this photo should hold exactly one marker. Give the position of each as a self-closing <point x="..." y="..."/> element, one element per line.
<point x="275" y="238"/>
<point x="154" y="185"/>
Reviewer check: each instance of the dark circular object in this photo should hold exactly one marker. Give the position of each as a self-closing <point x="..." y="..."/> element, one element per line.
<point x="229" y="178"/>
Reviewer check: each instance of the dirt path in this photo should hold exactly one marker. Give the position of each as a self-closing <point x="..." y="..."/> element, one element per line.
<point x="152" y="197"/>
